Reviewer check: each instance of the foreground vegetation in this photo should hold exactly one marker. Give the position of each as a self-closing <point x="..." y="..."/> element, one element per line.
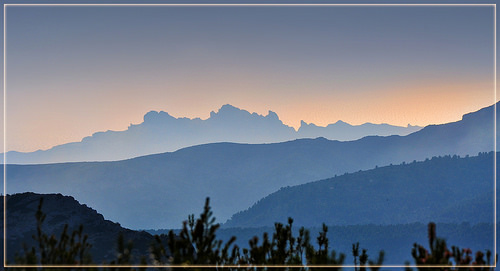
<point x="196" y="246"/>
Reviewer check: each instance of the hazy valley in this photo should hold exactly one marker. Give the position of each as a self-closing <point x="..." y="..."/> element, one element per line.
<point x="434" y="174"/>
<point x="235" y="176"/>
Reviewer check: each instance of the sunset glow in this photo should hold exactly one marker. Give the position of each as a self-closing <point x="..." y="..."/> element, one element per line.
<point x="76" y="70"/>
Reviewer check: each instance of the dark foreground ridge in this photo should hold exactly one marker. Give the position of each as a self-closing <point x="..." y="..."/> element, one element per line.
<point x="197" y="244"/>
<point x="60" y="210"/>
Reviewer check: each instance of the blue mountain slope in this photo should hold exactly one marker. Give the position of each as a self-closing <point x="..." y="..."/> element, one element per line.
<point x="158" y="191"/>
<point x="446" y="189"/>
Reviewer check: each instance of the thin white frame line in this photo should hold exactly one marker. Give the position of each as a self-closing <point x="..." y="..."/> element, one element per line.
<point x="242" y="5"/>
<point x="4" y="134"/>
<point x="495" y="133"/>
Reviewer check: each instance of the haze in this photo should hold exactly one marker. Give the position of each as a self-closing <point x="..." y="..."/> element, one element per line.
<point x="76" y="70"/>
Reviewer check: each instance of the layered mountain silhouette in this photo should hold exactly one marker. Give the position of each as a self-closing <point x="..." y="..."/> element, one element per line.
<point x="160" y="132"/>
<point x="158" y="191"/>
<point x="444" y="189"/>
<point x="60" y="210"/>
<point x="344" y="131"/>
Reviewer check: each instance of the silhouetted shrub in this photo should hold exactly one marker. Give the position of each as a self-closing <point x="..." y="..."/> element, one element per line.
<point x="440" y="255"/>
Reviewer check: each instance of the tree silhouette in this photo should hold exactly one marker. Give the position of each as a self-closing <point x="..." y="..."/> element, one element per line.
<point x="197" y="246"/>
<point x="68" y="249"/>
<point x="440" y="255"/>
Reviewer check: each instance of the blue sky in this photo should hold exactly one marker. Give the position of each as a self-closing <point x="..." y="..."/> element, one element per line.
<point x="73" y="71"/>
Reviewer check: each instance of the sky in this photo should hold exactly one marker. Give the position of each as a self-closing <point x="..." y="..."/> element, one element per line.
<point x="72" y="71"/>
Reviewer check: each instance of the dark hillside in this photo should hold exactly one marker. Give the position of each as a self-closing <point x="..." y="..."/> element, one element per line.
<point x="60" y="210"/>
<point x="443" y="189"/>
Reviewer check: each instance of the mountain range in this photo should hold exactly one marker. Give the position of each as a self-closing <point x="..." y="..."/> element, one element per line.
<point x="161" y="132"/>
<point x="159" y="191"/>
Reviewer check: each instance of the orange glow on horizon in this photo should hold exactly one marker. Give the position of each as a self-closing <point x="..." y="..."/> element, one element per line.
<point x="421" y="104"/>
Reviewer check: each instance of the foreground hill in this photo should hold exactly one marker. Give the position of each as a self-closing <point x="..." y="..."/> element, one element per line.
<point x="61" y="210"/>
<point x="235" y="176"/>
<point x="445" y="189"/>
<point x="160" y="132"/>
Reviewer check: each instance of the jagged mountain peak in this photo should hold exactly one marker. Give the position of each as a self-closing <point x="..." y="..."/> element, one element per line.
<point x="229" y="111"/>
<point x="272" y="115"/>
<point x="304" y="126"/>
<point x="229" y="108"/>
<point x="340" y="122"/>
<point x="154" y="116"/>
<point x="162" y="132"/>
